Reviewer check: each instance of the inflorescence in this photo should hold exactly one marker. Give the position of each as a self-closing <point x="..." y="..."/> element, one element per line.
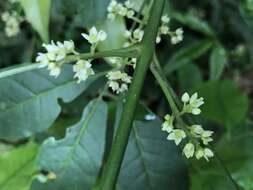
<point x="198" y="138"/>
<point x="118" y="79"/>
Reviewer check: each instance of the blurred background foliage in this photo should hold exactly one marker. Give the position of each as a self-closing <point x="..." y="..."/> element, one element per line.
<point x="215" y="59"/>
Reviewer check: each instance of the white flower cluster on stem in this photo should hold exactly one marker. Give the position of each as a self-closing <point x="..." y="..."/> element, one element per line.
<point x="176" y="36"/>
<point x="114" y="9"/>
<point x="198" y="137"/>
<point x="12" y="23"/>
<point x="55" y="56"/>
<point x="118" y="81"/>
<point x="57" y="52"/>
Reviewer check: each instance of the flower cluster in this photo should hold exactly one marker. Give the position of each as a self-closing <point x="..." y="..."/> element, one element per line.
<point x="83" y="70"/>
<point x="57" y="53"/>
<point x="118" y="81"/>
<point x="116" y="8"/>
<point x="176" y="36"/>
<point x="198" y="137"/>
<point x="12" y="23"/>
<point x="55" y="56"/>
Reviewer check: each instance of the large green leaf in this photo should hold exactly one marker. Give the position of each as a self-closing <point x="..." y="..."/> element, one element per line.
<point x="115" y="30"/>
<point x="151" y="162"/>
<point x="18" y="167"/>
<point x="189" y="76"/>
<point x="77" y="158"/>
<point x="38" y="14"/>
<point x="218" y="61"/>
<point x="85" y="12"/>
<point x="28" y="101"/>
<point x="237" y="158"/>
<point x="224" y="102"/>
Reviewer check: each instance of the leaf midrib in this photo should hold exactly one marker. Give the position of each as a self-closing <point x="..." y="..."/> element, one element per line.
<point x="139" y="148"/>
<point x="48" y="91"/>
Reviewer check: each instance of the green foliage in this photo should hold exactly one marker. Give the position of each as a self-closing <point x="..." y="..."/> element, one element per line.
<point x="194" y="23"/>
<point x="147" y="155"/>
<point x="18" y="167"/>
<point x="77" y="157"/>
<point x="224" y="102"/>
<point x="187" y="71"/>
<point x="215" y="59"/>
<point x="218" y="61"/>
<point x="37" y="13"/>
<point x="36" y="103"/>
<point x="189" y="53"/>
<point x="94" y="10"/>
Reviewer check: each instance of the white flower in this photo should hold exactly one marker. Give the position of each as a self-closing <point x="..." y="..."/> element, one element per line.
<point x="185" y="98"/>
<point x="168" y="124"/>
<point x="206" y="137"/>
<point x="118" y="81"/>
<point x="54" y="69"/>
<point x="138" y="34"/>
<point x="165" y="19"/>
<point x="158" y="39"/>
<point x="130" y="14"/>
<point x="177" y="135"/>
<point x="42" y="58"/>
<point x="189" y="150"/>
<point x="197" y="129"/>
<point x="208" y="153"/>
<point x="114" y="85"/>
<point x="193" y="103"/>
<point x="164" y="29"/>
<point x="95" y="36"/>
<point x="199" y="153"/>
<point x="127" y="34"/>
<point x="178" y="36"/>
<point x="56" y="53"/>
<point x="128" y="4"/>
<point x="69" y="46"/>
<point x="82" y="70"/>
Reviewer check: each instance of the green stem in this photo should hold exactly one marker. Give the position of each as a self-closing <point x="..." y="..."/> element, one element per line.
<point x="133" y="51"/>
<point x="162" y="80"/>
<point x="112" y="167"/>
<point x="129" y="52"/>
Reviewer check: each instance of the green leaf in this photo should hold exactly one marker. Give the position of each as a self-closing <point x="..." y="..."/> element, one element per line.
<point x="237" y="158"/>
<point x="186" y="54"/>
<point x="85" y="13"/>
<point x="38" y="14"/>
<point x="224" y="102"/>
<point x="194" y="23"/>
<point x="28" y="101"/>
<point x="115" y="30"/>
<point x="18" y="167"/>
<point x="218" y="61"/>
<point x="189" y="77"/>
<point x="151" y="161"/>
<point x="76" y="159"/>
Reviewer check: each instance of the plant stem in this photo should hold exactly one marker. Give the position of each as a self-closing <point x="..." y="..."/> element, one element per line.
<point x="112" y="167"/>
<point x="133" y="51"/>
<point x="129" y="52"/>
<point x="161" y="79"/>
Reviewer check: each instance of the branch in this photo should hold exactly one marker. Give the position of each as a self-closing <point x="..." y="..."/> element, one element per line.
<point x="112" y="167"/>
<point x="133" y="51"/>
